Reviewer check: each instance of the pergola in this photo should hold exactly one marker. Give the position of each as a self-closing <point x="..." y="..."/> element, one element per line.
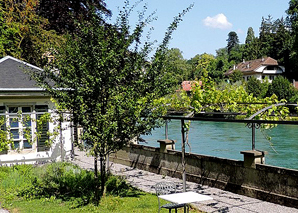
<point x="209" y="116"/>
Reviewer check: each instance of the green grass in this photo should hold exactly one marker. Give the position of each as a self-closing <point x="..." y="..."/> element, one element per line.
<point x="52" y="188"/>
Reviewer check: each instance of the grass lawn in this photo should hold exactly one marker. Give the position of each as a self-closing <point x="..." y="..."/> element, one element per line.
<point x="144" y="202"/>
<point x="63" y="187"/>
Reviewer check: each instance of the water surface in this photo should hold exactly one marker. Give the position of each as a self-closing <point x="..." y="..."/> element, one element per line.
<point x="226" y="140"/>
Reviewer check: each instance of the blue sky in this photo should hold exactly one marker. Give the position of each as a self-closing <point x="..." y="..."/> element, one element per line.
<point x="205" y="28"/>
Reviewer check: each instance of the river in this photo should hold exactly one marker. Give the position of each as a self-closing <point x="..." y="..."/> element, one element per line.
<point x="226" y="140"/>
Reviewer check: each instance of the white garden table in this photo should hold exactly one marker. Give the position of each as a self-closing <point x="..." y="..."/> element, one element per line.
<point x="185" y="198"/>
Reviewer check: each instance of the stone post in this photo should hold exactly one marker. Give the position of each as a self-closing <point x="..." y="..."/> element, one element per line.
<point x="166" y="144"/>
<point x="253" y="157"/>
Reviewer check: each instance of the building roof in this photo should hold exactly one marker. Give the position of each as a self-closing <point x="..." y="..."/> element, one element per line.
<point x="13" y="76"/>
<point x="187" y="85"/>
<point x="251" y="66"/>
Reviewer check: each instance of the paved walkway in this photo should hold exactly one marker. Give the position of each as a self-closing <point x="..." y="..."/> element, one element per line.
<point x="223" y="201"/>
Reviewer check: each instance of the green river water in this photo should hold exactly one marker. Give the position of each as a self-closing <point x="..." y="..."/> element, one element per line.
<point x="226" y="140"/>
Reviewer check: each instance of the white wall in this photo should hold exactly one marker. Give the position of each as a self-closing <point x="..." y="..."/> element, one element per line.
<point x="31" y="155"/>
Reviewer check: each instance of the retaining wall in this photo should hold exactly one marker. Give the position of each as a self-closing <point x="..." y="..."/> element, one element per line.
<point x="273" y="184"/>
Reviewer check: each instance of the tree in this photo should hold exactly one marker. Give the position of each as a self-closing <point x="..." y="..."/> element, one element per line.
<point x="232" y="40"/>
<point x="256" y="87"/>
<point x="62" y="14"/>
<point x="177" y="67"/>
<point x="292" y="19"/>
<point x="202" y="65"/>
<point x="237" y="75"/>
<point x="250" y="36"/>
<point x="22" y="33"/>
<point x="103" y="77"/>
<point x="282" y="88"/>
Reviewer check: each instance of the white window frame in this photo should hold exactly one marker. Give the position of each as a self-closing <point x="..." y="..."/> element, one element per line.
<point x="20" y="126"/>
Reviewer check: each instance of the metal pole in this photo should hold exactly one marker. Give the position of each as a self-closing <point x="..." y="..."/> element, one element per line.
<point x="253" y="127"/>
<point x="183" y="156"/>
<point x="166" y="129"/>
<point x="61" y="136"/>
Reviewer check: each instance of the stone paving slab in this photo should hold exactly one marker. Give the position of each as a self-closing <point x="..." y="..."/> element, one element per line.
<point x="223" y="201"/>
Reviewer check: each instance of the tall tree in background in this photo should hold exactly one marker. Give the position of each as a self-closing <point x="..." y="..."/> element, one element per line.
<point x="293" y="24"/>
<point x="250" y="37"/>
<point x="22" y="31"/>
<point x="177" y="67"/>
<point x="233" y="41"/>
<point x="233" y="47"/>
<point x="106" y="81"/>
<point x="62" y="14"/>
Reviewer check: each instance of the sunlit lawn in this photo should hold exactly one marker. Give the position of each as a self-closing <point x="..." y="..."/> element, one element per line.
<point x="144" y="202"/>
<point x="63" y="187"/>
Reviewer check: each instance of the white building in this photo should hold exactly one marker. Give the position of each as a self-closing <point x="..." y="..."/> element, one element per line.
<point x="20" y="97"/>
<point x="259" y="68"/>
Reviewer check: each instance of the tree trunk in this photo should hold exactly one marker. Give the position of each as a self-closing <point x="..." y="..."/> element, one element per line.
<point x="102" y="173"/>
<point x="96" y="194"/>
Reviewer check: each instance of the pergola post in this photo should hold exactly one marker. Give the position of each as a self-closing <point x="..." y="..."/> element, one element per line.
<point x="183" y="155"/>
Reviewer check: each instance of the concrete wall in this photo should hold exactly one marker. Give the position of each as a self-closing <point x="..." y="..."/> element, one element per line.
<point x="264" y="182"/>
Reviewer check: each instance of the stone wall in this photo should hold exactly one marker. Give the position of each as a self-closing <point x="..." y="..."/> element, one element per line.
<point x="273" y="184"/>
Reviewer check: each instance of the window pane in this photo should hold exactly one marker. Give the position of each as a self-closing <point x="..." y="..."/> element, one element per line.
<point x="13" y="122"/>
<point x="26" y="109"/>
<point x="27" y="122"/>
<point x="15" y="133"/>
<point x="16" y="144"/>
<point x="27" y="145"/>
<point x="13" y="109"/>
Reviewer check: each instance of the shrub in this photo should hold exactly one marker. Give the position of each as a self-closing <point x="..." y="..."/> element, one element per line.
<point x="256" y="87"/>
<point x="281" y="87"/>
<point x="63" y="181"/>
<point x="117" y="186"/>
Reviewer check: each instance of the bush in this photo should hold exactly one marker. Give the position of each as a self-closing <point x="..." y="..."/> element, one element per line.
<point x="237" y="75"/>
<point x="256" y="87"/>
<point x="117" y="186"/>
<point x="62" y="180"/>
<point x="282" y="88"/>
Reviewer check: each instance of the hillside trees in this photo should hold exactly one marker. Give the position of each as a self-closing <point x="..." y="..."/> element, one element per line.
<point x="106" y="81"/>
<point x="22" y="31"/>
<point x="178" y="69"/>
<point x="62" y="14"/>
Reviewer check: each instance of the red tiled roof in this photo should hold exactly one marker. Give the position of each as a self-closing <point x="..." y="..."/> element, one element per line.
<point x="186" y="85"/>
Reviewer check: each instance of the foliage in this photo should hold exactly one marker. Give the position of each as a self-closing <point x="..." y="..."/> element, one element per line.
<point x="179" y="101"/>
<point x="256" y="87"/>
<point x="63" y="181"/>
<point x="237" y="75"/>
<point x="4" y="135"/>
<point x="22" y="31"/>
<point x="103" y="77"/>
<point x="63" y="14"/>
<point x="22" y="189"/>
<point x="177" y="68"/>
<point x="233" y="41"/>
<point x="282" y="88"/>
<point x="235" y="99"/>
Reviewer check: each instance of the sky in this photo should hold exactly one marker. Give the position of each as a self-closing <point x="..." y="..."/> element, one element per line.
<point x="206" y="26"/>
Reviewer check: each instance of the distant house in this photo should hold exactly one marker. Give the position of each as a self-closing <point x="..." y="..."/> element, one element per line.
<point x="20" y="97"/>
<point x="259" y="68"/>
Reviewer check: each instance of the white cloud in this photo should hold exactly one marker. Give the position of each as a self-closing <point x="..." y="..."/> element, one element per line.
<point x="240" y="31"/>
<point x="219" y="21"/>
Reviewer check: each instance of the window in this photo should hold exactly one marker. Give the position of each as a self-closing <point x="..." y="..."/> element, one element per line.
<point x="41" y="142"/>
<point x="20" y="126"/>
